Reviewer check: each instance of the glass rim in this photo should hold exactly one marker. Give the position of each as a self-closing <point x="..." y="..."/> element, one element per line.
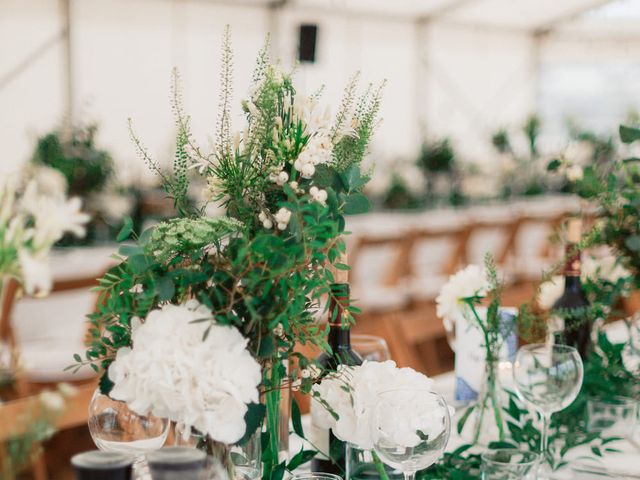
<point x="101" y="460"/>
<point x="316" y="475"/>
<point x="554" y="346"/>
<point x="534" y="457"/>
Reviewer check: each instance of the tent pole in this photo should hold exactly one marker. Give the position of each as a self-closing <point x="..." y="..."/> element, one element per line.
<point x="67" y="59"/>
<point x="538" y="38"/>
<point x="421" y="76"/>
<point x="273" y="25"/>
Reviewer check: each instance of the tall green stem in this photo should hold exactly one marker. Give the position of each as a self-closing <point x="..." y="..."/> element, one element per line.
<point x="492" y="391"/>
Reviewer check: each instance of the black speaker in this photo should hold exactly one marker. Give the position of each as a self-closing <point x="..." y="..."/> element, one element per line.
<point x="307" y="43"/>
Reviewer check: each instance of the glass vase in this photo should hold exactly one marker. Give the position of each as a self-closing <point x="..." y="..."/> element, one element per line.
<point x="225" y="462"/>
<point x="277" y="399"/>
<point x="362" y="465"/>
<point x="486" y="422"/>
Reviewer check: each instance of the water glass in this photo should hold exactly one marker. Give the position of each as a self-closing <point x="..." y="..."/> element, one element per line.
<point x="548" y="378"/>
<point x="100" y="465"/>
<point x="370" y="347"/>
<point x="170" y="463"/>
<point x="316" y="476"/>
<point x="412" y="429"/>
<point x="614" y="417"/>
<point x="509" y="464"/>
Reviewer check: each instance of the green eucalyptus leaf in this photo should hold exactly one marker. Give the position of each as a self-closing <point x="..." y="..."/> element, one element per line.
<point x="125" y="231"/>
<point x="356" y="203"/>
<point x="629" y="134"/>
<point x="296" y="418"/>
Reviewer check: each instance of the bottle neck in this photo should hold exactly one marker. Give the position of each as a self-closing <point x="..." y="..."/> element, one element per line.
<point x="572" y="269"/>
<point x="339" y="330"/>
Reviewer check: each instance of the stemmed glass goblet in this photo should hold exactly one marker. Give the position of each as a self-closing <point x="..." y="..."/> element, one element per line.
<point x="412" y="429"/>
<point x="548" y="378"/>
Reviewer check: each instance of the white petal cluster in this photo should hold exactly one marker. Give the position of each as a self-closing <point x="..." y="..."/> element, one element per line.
<point x="36" y="272"/>
<point x="356" y="406"/>
<point x="266" y="220"/>
<point x="550" y="292"/>
<point x="472" y="281"/>
<point x="317" y="151"/>
<point x="605" y="267"/>
<point x="282" y="218"/>
<point x="318" y="195"/>
<point x="172" y="372"/>
<point x="574" y="173"/>
<point x="34" y="214"/>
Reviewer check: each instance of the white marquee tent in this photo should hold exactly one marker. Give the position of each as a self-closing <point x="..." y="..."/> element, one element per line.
<point x="454" y="67"/>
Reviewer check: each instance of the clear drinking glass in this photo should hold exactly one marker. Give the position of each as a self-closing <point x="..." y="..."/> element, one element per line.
<point x="412" y="429"/>
<point x="615" y="416"/>
<point x="370" y="347"/>
<point x="509" y="464"/>
<point x="116" y="428"/>
<point x="315" y="476"/>
<point x="548" y="378"/>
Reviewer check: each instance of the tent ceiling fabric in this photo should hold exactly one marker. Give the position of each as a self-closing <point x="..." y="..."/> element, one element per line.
<point x="519" y="14"/>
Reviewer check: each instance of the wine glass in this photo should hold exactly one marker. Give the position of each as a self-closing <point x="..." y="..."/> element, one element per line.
<point x="548" y="378"/>
<point x="116" y="428"/>
<point x="370" y="347"/>
<point x="412" y="429"/>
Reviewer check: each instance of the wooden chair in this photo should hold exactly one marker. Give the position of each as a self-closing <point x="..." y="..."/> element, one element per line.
<point x="15" y="415"/>
<point x="25" y="385"/>
<point x="383" y="303"/>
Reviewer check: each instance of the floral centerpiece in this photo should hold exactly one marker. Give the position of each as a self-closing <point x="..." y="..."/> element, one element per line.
<point x="88" y="172"/>
<point x="461" y="298"/>
<point x="286" y="180"/>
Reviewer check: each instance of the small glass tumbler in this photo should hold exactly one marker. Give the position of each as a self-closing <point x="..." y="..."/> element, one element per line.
<point x="177" y="462"/>
<point x="316" y="476"/>
<point x="370" y="347"/>
<point x="616" y="416"/>
<point x="101" y="465"/>
<point x="509" y="464"/>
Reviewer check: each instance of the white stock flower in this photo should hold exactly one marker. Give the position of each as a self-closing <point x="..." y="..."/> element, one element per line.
<point x="55" y="218"/>
<point x="356" y="405"/>
<point x="550" y="292"/>
<point x="470" y="282"/>
<point x="36" y="273"/>
<point x="172" y="372"/>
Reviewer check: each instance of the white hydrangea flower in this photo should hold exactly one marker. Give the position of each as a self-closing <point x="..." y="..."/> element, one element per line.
<point x="356" y="406"/>
<point x="472" y="281"/>
<point x="172" y="372"/>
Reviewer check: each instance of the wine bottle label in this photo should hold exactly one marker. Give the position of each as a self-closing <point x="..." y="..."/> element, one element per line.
<point x="318" y="436"/>
<point x="471" y="353"/>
